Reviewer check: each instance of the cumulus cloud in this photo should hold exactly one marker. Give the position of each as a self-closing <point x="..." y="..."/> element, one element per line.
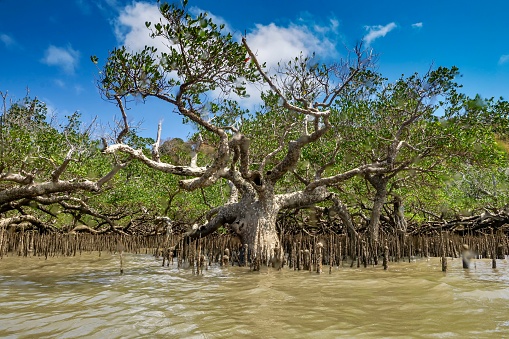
<point x="274" y="43"/>
<point x="503" y="59"/>
<point x="64" y="57"/>
<point x="131" y="32"/>
<point x="7" y="40"/>
<point x="271" y="43"/>
<point x="417" y="25"/>
<point x="130" y="28"/>
<point x="378" y="31"/>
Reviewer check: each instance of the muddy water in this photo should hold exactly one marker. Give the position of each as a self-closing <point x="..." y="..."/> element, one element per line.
<point x="85" y="296"/>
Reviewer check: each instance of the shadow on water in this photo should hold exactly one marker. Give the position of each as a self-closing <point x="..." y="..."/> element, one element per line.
<point x="75" y="297"/>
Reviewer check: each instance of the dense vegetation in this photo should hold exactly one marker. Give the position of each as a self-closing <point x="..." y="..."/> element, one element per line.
<point x="333" y="147"/>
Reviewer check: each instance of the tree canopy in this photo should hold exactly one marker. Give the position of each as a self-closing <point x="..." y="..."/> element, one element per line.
<point x="338" y="138"/>
<point x="320" y="125"/>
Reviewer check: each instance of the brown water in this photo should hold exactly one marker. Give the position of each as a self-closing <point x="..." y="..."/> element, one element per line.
<point x="86" y="297"/>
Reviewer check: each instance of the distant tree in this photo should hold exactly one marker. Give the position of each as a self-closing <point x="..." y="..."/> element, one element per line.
<point x="480" y="181"/>
<point x="43" y="165"/>
<point x="419" y="126"/>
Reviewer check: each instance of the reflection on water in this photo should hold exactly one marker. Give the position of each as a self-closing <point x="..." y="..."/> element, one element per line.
<point x="86" y="297"/>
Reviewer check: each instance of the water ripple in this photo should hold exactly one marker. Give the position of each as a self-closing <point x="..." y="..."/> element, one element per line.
<point x="86" y="297"/>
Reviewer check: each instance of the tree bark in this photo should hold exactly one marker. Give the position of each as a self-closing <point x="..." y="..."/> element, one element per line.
<point x="256" y="227"/>
<point x="399" y="216"/>
<point x="379" y="200"/>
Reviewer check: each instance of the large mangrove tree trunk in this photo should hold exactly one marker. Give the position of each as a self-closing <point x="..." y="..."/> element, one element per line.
<point x="256" y="227"/>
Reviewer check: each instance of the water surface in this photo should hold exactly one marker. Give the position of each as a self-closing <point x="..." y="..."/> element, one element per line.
<point x="84" y="296"/>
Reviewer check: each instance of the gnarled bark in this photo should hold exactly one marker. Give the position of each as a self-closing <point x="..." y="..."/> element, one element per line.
<point x="256" y="226"/>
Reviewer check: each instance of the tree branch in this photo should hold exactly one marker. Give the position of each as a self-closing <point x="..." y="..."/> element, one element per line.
<point x="364" y="169"/>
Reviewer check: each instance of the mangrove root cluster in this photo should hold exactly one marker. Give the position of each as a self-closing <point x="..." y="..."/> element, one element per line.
<point x="301" y="251"/>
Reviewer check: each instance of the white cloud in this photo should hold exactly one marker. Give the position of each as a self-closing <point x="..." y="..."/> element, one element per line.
<point x="130" y="28"/>
<point x="271" y="43"/>
<point x="320" y="29"/>
<point x="503" y="59"/>
<point x="375" y="32"/>
<point x="417" y="25"/>
<point x="7" y="40"/>
<point x="334" y="24"/>
<point x="274" y="43"/>
<point x="65" y="58"/>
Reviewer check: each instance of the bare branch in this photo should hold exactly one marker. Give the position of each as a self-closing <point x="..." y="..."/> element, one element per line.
<point x="5" y="222"/>
<point x="278" y="149"/>
<point x="286" y="104"/>
<point x="370" y="168"/>
<point x="194" y="151"/>
<point x="83" y="208"/>
<point x="226" y="215"/>
<point x="157" y="144"/>
<point x="110" y="175"/>
<point x="125" y="128"/>
<point x="294" y="151"/>
<point x="160" y="166"/>
<point x="17" y="178"/>
<point x="55" y="176"/>
<point x="341" y="209"/>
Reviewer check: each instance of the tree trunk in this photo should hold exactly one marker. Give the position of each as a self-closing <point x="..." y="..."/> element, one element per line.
<point x="399" y="216"/>
<point x="378" y="203"/>
<point x="257" y="228"/>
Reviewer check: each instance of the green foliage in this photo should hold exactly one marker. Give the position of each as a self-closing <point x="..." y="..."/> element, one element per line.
<point x="199" y="59"/>
<point x="446" y="132"/>
<point x="420" y="126"/>
<point x="30" y="141"/>
<point x="34" y="146"/>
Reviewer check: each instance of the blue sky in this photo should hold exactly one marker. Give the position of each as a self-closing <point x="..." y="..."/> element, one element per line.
<point x="46" y="45"/>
